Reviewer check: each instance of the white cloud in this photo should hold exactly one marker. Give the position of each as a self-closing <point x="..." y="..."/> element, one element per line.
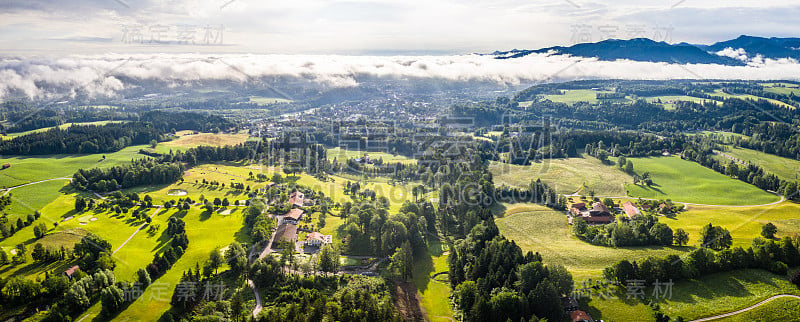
<point x="105" y="75"/>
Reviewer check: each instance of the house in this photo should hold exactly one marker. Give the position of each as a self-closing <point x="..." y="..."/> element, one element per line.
<point x="580" y="316"/>
<point x="71" y="271"/>
<point x="598" y="220"/>
<point x="296" y="199"/>
<point x="293" y="216"/>
<point x="577" y="209"/>
<point x="598" y="215"/>
<point x="631" y="210"/>
<point x="599" y="209"/>
<point x="285" y="233"/>
<point x="317" y="239"/>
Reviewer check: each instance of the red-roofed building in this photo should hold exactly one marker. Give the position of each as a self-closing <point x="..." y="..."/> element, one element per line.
<point x="631" y="210"/>
<point x="580" y="316"/>
<point x="71" y="271"/>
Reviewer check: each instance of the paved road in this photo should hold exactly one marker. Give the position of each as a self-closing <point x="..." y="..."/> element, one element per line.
<point x="158" y="208"/>
<point x="745" y="309"/>
<point x="258" y="298"/>
<point x="35" y="182"/>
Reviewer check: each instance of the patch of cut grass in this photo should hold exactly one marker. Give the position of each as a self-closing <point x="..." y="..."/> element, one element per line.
<point x="686" y="181"/>
<point x="567" y="176"/>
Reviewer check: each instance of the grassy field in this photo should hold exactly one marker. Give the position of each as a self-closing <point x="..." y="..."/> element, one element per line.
<point x="573" y="96"/>
<point x="435" y="294"/>
<point x="710" y="295"/>
<point x="669" y="101"/>
<point x="34" y="168"/>
<point x="268" y="100"/>
<point x="566" y="175"/>
<point x="752" y="97"/>
<point x="784" y="168"/>
<point x="205" y="234"/>
<point x="782" y="309"/>
<point x="343" y="154"/>
<point x="539" y="229"/>
<point x="62" y="126"/>
<point x="744" y="223"/>
<point x="210" y="139"/>
<point x="686" y="181"/>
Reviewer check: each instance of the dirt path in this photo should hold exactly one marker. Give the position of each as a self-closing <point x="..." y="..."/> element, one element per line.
<point x="137" y="230"/>
<point x="409" y="302"/>
<point x="35" y="182"/>
<point x="747" y="308"/>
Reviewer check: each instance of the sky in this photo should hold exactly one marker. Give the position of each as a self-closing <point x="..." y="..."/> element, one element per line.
<point x="366" y="27"/>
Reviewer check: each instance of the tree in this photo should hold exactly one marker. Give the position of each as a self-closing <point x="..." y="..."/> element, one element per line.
<point x="3" y="258"/>
<point x="629" y="167"/>
<point x="80" y="203"/>
<point x="217" y="202"/>
<point x="795" y="279"/>
<point x="215" y="260"/>
<point x="680" y="237"/>
<point x="236" y="256"/>
<point x="561" y="278"/>
<point x="402" y="260"/>
<point x="112" y="299"/>
<point x="769" y="230"/>
<point x="329" y="259"/>
<point x="38" y="252"/>
<point x="225" y="202"/>
<point x="716" y="237"/>
<point x="143" y="277"/>
<point x="661" y="234"/>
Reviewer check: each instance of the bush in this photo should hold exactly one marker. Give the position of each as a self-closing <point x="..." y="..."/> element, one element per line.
<point x="795" y="279"/>
<point x="779" y="268"/>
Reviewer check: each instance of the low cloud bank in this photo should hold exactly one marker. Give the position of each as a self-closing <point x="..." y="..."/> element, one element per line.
<point x="107" y="75"/>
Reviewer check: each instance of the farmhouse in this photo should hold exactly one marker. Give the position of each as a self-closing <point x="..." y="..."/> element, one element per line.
<point x="293" y="216"/>
<point x="71" y="271"/>
<point x="296" y="199"/>
<point x="317" y="239"/>
<point x="631" y="210"/>
<point x="286" y="233"/>
<point x="598" y="215"/>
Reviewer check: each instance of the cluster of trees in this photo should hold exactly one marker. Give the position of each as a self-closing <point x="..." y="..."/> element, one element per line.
<point x="334" y="298"/>
<point x="176" y="232"/>
<point x="8" y="228"/>
<point x="370" y="229"/>
<point x="138" y="172"/>
<point x="764" y="254"/>
<point x="640" y="231"/>
<point x="260" y="223"/>
<point x="537" y="192"/>
<point x="493" y="281"/>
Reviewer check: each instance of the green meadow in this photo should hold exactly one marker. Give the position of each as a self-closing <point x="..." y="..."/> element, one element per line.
<point x="540" y="229"/>
<point x="567" y="176"/>
<point x="686" y="181"/>
<point x="784" y="168"/>
<point x="744" y="223"/>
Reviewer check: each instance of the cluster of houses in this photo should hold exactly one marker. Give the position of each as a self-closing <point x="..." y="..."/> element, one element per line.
<point x="287" y="227"/>
<point x="599" y="214"/>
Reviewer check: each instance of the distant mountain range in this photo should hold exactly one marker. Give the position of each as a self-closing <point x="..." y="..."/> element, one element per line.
<point x="643" y="49"/>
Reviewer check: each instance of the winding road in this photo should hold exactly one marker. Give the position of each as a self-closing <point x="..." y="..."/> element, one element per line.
<point x="746" y="309"/>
